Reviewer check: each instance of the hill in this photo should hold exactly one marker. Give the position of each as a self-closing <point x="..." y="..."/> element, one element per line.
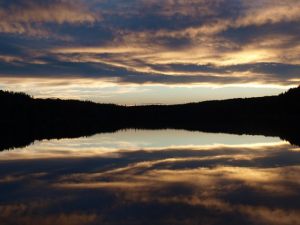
<point x="24" y="119"/>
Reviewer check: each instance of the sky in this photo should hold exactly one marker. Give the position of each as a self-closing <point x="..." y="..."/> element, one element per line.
<point x="149" y="51"/>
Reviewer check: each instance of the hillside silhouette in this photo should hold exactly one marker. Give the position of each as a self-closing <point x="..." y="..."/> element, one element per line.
<point x="24" y="119"/>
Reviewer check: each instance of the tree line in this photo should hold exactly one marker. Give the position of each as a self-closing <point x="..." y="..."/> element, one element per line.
<point x="24" y="119"/>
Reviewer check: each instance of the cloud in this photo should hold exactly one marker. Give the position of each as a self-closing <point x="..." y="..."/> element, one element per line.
<point x="28" y="17"/>
<point x="170" y="42"/>
<point x="120" y="71"/>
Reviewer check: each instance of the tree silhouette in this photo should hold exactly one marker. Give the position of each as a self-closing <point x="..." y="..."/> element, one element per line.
<point x="24" y="119"/>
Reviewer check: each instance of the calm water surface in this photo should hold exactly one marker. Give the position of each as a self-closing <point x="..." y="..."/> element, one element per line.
<point x="152" y="177"/>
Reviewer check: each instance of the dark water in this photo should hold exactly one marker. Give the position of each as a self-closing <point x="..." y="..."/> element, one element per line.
<point x="152" y="177"/>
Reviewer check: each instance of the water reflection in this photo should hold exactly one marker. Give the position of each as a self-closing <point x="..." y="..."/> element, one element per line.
<point x="152" y="177"/>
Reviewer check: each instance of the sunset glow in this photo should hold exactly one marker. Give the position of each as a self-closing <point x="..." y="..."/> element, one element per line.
<point x="154" y="43"/>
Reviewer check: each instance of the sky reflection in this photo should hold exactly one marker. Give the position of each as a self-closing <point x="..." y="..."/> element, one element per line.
<point x="198" y="179"/>
<point x="130" y="140"/>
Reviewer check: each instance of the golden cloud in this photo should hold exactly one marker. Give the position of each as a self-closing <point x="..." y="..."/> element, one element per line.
<point x="28" y="18"/>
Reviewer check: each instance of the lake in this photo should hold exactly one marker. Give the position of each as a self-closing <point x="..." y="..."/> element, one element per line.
<point x="152" y="177"/>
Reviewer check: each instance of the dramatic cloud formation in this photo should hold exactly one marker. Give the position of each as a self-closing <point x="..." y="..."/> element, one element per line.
<point x="195" y="42"/>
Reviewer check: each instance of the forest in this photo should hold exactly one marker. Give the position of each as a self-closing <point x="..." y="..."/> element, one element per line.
<point x="24" y="119"/>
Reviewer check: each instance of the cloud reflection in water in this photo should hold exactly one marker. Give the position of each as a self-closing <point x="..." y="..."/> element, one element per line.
<point x="254" y="180"/>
